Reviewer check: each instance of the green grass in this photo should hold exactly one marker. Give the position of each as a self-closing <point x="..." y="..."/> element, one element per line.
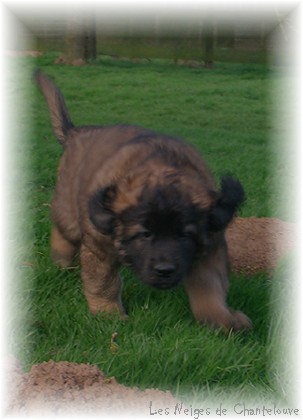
<point x="225" y="113"/>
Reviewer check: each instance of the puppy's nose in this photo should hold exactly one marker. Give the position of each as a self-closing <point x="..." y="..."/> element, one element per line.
<point x="165" y="269"/>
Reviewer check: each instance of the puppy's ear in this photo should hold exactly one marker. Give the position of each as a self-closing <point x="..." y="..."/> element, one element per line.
<point x="231" y="196"/>
<point x="100" y="211"/>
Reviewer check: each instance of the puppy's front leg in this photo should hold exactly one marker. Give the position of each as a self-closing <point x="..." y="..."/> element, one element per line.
<point x="206" y="287"/>
<point x="101" y="282"/>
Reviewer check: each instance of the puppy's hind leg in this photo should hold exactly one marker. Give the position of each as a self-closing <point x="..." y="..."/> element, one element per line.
<point x="63" y="251"/>
<point x="101" y="282"/>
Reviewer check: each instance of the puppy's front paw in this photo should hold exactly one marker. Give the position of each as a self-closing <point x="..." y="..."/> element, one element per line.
<point x="239" y="321"/>
<point x="225" y="319"/>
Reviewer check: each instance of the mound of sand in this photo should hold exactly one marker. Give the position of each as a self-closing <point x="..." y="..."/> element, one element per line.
<point x="69" y="388"/>
<point x="258" y="244"/>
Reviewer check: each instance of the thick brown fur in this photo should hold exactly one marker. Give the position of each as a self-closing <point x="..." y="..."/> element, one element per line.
<point x="126" y="195"/>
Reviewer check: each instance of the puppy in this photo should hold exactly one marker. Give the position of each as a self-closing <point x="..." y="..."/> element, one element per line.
<point x="126" y="195"/>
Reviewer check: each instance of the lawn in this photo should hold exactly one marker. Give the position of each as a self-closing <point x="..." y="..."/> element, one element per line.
<point x="226" y="114"/>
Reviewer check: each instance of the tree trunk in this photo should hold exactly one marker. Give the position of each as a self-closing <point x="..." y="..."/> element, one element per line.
<point x="90" y="35"/>
<point x="80" y="39"/>
<point x="209" y="51"/>
<point x="209" y="45"/>
<point x="74" y="40"/>
<point x="208" y="37"/>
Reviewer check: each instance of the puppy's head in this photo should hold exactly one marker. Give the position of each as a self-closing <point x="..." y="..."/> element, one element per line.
<point x="162" y="234"/>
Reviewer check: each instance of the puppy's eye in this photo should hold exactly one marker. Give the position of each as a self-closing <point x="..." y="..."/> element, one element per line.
<point x="190" y="231"/>
<point x="144" y="234"/>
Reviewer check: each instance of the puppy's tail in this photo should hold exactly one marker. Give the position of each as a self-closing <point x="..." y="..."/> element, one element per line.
<point x="60" y="118"/>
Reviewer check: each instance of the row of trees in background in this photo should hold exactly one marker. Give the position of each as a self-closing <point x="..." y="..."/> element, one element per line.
<point x="80" y="44"/>
<point x="81" y="37"/>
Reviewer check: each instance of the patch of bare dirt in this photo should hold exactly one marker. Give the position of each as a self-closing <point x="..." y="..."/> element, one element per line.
<point x="70" y="388"/>
<point x="257" y="244"/>
<point x="71" y="62"/>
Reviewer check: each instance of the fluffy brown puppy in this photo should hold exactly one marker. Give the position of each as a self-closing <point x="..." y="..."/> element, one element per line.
<point x="126" y="195"/>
